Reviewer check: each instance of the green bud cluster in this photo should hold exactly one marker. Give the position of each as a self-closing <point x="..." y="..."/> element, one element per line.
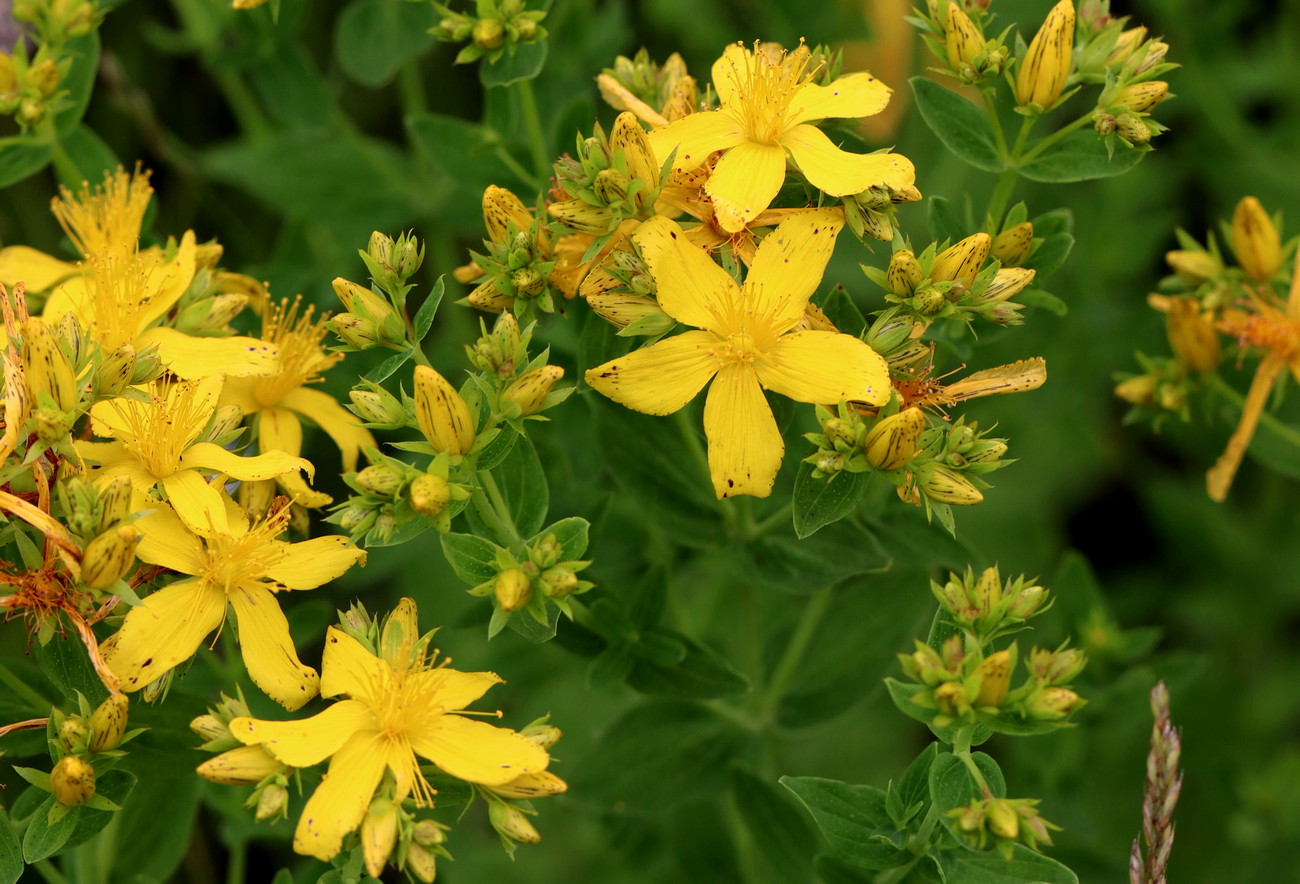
<point x="608" y="180"/>
<point x="496" y="29"/>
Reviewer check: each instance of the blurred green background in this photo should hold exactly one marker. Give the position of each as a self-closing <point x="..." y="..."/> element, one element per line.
<point x="290" y="141"/>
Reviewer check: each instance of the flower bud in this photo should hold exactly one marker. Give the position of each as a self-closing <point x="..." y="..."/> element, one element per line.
<point x="904" y="273"/>
<point x="356" y="331"/>
<point x="1125" y="44"/>
<point x="1053" y="703"/>
<point x="1255" y="240"/>
<point x="488" y="297"/>
<point x="502" y="210"/>
<point x="108" y="723"/>
<point x="245" y="766"/>
<point x="1192" y="335"/>
<point x="893" y="441"/>
<point x="429" y="494"/>
<point x="1193" y="266"/>
<point x="1057" y="667"/>
<point x="272" y="802"/>
<point x="530" y="389"/>
<point x="1046" y="64"/>
<point x="109" y="557"/>
<point x="1012" y="245"/>
<point x="527" y="282"/>
<point x="115" y="370"/>
<point x="963" y="39"/>
<point x="72" y="780"/>
<point x="209" y="727"/>
<point x="1006" y="284"/>
<point x="1003" y="820"/>
<point x="943" y="485"/>
<point x="1140" y="98"/>
<point x="511" y="822"/>
<point x="513" y="589"/>
<point x="428" y="833"/>
<point x="489" y="33"/>
<point x="611" y="186"/>
<point x="628" y="136"/>
<point x="443" y="416"/>
<point x="114" y="502"/>
<point x="950" y="697"/>
<point x="379" y="407"/>
<point x="582" y="217"/>
<point x="421" y="863"/>
<point x="380" y="480"/>
<point x="148" y="366"/>
<point x="624" y="308"/>
<point x="995" y="673"/>
<point x="1027" y="602"/>
<point x="539" y="784"/>
<point x="1140" y="390"/>
<point x="557" y="582"/>
<point x="1132" y="130"/>
<point x="46" y="367"/>
<point x="962" y="260"/>
<point x="544" y="735"/>
<point x="73" y="734"/>
<point x="379" y="835"/>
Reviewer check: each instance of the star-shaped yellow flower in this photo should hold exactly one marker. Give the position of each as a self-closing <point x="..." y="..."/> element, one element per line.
<point x="400" y="706"/>
<point x="156" y="443"/>
<point x="744" y="341"/>
<point x="768" y="106"/>
<point x="242" y="567"/>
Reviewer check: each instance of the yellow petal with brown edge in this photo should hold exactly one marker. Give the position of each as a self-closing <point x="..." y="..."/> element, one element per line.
<point x="691" y="288"/>
<point x="824" y="367"/>
<point x="661" y="378"/>
<point x="308" y="564"/>
<point x="34" y="269"/>
<point x="338" y="423"/>
<point x="340" y="802"/>
<point x="199" y="505"/>
<point x="453" y="688"/>
<point x="348" y="668"/>
<point x="190" y="357"/>
<point x="268" y="651"/>
<point x="852" y="97"/>
<point x="789" y="264"/>
<point x="840" y="173"/>
<point x="744" y="183"/>
<point x="267" y="465"/>
<point x="295" y="487"/>
<point x="695" y="138"/>
<point x="165" y="631"/>
<point x="745" y="447"/>
<point x="167" y="542"/>
<point x="306" y="741"/>
<point x="478" y="752"/>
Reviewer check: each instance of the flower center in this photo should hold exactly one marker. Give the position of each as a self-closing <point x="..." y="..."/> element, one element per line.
<point x="233" y="560"/>
<point x="766" y="81"/>
<point x="301" y="357"/>
<point x="159" y="431"/>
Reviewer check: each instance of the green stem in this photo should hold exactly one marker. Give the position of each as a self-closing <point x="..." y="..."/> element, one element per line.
<point x="1265" y="418"/>
<point x="235" y="871"/>
<point x="781" y="515"/>
<point x="990" y="108"/>
<point x="38" y="703"/>
<point x="242" y="103"/>
<point x="494" y="511"/>
<point x="530" y="180"/>
<point x="898" y="873"/>
<point x="50" y="872"/>
<point x="793" y="655"/>
<point x="410" y="88"/>
<point x="693" y="445"/>
<point x="1056" y="136"/>
<point x="961" y="748"/>
<point x="1001" y="196"/>
<point x="533" y="126"/>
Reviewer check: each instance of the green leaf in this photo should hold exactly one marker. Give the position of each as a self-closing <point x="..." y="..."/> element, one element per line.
<point x="945" y="221"/>
<point x="79" y="81"/>
<point x="840" y="309"/>
<point x="659" y="755"/>
<point x="43" y="839"/>
<point x="496" y="450"/>
<point x="88" y="157"/>
<point x="149" y="843"/>
<point x="952" y="786"/>
<point x="962" y="127"/>
<point x="1044" y="299"/>
<point x="11" y="855"/>
<point x="424" y="316"/>
<point x="853" y="819"/>
<point x="701" y="673"/>
<point x="1079" y="156"/>
<point x="65" y="662"/>
<point x="781" y="832"/>
<point x="384" y="370"/>
<point x="819" y="502"/>
<point x="530" y="628"/>
<point x="804" y="566"/>
<point x="19" y="161"/>
<point x="912" y="793"/>
<point x="1050" y="254"/>
<point x="522" y="483"/>
<point x="1024" y="867"/>
<point x="570" y="534"/>
<point x="472" y="558"/>
<point x="524" y="63"/>
<point x="376" y="37"/>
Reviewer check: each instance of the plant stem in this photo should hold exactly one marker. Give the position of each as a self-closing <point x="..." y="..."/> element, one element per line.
<point x="998" y="201"/>
<point x="793" y="655"/>
<point x="235" y="871"/>
<point x="494" y="511"/>
<point x="1265" y="418"/>
<point x="991" y="109"/>
<point x="961" y="748"/>
<point x="39" y="703"/>
<point x="1056" y="136"/>
<point x="411" y="88"/>
<point x="533" y="126"/>
<point x="50" y="872"/>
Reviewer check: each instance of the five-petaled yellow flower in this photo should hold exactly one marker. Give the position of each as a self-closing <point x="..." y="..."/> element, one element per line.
<point x="156" y="443"/>
<point x="400" y="705"/>
<point x="242" y="567"/>
<point x="744" y="341"/>
<point x="768" y="106"/>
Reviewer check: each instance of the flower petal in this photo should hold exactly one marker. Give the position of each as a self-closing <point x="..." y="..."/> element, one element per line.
<point x="190" y="357"/>
<point x="347" y="667"/>
<point x="745" y="446"/>
<point x="855" y="96"/>
<point x="661" y="378"/>
<point x="691" y="288"/>
<point x="36" y="270"/>
<point x="278" y="429"/>
<point x="311" y="563"/>
<point x="165" y="631"/>
<point x="730" y="72"/>
<point x="478" y="752"/>
<point x="167" y="542"/>
<point x="825" y="367"/>
<point x="840" y="173"/>
<point x="165" y="281"/>
<point x="268" y="465"/>
<point x="338" y="423"/>
<point x="789" y="264"/>
<point x="339" y="803"/>
<point x="455" y="689"/>
<point x="695" y="137"/>
<point x="306" y="741"/>
<point x="268" y="651"/>
<point x="744" y="183"/>
<point x="199" y="505"/>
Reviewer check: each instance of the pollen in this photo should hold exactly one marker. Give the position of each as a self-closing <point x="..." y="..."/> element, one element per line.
<point x="302" y="359"/>
<point x="766" y="82"/>
<point x="159" y="430"/>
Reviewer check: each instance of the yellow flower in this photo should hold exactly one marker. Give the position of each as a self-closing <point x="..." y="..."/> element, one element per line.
<point x="282" y="400"/>
<point x="400" y="705"/>
<point x="744" y="341"/>
<point x="768" y="106"/>
<point x="155" y="443"/>
<point x="120" y="293"/>
<point x="243" y="567"/>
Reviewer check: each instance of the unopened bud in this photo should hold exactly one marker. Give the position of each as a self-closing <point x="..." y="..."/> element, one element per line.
<point x="115" y="371"/>
<point x="272" y="802"/>
<point x="489" y="33"/>
<point x="1012" y="245"/>
<point x="513" y="589"/>
<point x="963" y="39"/>
<point x="1140" y="98"/>
<point x="1054" y="703"/>
<point x="108" y="723"/>
<point x="46" y="367"/>
<point x="245" y="766"/>
<point x="378" y="407"/>
<point x="1125" y="44"/>
<point x="1255" y="240"/>
<point x="1132" y="129"/>
<point x="512" y="823"/>
<point x="950" y="697"/>
<point x="1140" y="390"/>
<point x="904" y="273"/>
<point x="73" y="733"/>
<point x="628" y="136"/>
<point x="1027" y="602"/>
<point x="1006" y="284"/>
<point x="428" y="833"/>
<point x="379" y="835"/>
<point x="529" y="390"/>
<point x="1193" y="266"/>
<point x="421" y="863"/>
<point x="943" y="485"/>
<point x="1192" y="336"/>
<point x="557" y="582"/>
<point x="1057" y="667"/>
<point x="539" y="784"/>
<point x="995" y="673"/>
<point x="1003" y="819"/>
<point x="1046" y="64"/>
<point x="380" y="480"/>
<point x="72" y="780"/>
<point x="582" y="217"/>
<point x="962" y="260"/>
<point x="109" y="557"/>
<point x="429" y="494"/>
<point x="893" y="441"/>
<point x="544" y="735"/>
<point x="443" y="416"/>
